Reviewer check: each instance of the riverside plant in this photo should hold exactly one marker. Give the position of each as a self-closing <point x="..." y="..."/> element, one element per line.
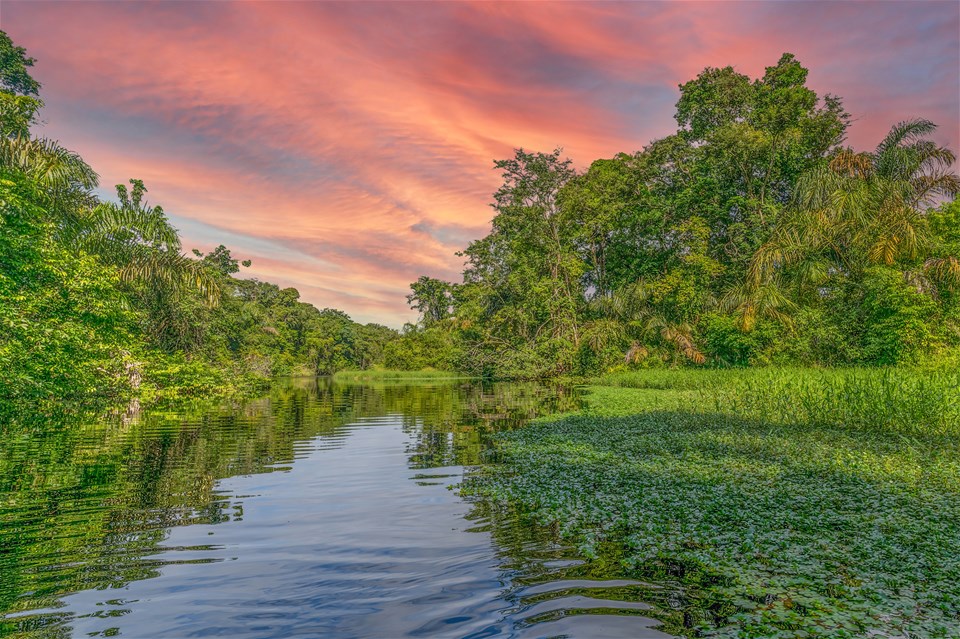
<point x="787" y="503"/>
<point x="383" y="375"/>
<point x="882" y="400"/>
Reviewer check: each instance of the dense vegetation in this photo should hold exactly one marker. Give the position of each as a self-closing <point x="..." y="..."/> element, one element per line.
<point x="790" y="503"/>
<point x="98" y="303"/>
<point x="750" y="236"/>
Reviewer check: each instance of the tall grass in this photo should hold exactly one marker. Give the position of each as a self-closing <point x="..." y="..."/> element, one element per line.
<point x="905" y="401"/>
<point x="679" y="379"/>
<point x="886" y="400"/>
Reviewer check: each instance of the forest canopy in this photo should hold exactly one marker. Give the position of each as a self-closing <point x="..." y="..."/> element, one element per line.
<point x="99" y="302"/>
<point x="752" y="235"/>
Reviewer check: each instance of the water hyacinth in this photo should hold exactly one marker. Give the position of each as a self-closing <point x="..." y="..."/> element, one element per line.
<point x="786" y="503"/>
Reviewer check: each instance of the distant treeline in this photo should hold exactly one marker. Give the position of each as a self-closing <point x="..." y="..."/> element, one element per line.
<point x="99" y="304"/>
<point x="750" y="236"/>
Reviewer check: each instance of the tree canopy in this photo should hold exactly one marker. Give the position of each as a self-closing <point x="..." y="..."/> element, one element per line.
<point x="98" y="302"/>
<point x="751" y="235"/>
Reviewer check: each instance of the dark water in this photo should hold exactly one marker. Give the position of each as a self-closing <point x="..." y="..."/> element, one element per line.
<point x="323" y="510"/>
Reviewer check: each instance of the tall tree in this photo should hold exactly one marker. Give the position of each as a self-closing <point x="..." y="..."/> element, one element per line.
<point x="754" y="140"/>
<point x="432" y="298"/>
<point x="522" y="283"/>
<point x="863" y="209"/>
<point x="19" y="91"/>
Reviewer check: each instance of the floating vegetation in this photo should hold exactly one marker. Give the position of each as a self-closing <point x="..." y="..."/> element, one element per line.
<point x="787" y="503"/>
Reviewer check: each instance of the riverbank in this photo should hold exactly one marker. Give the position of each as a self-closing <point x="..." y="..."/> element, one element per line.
<point x="382" y="375"/>
<point x="788" y="503"/>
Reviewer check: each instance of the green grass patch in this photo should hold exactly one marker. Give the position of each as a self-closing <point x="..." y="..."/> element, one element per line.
<point x="797" y="503"/>
<point x="380" y="375"/>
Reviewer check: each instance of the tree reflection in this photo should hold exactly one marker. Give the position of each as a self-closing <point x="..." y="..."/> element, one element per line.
<point x="89" y="505"/>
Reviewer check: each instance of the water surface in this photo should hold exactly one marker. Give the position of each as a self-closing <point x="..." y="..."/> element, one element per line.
<point x="322" y="510"/>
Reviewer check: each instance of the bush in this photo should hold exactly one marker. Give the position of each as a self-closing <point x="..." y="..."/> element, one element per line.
<point x="899" y="321"/>
<point x="727" y="343"/>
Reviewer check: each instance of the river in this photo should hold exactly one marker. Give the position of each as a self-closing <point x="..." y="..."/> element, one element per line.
<point x="322" y="510"/>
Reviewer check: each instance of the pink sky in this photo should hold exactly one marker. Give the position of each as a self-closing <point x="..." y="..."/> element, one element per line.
<point x="347" y="148"/>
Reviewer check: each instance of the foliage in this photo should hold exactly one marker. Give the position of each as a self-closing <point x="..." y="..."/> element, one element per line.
<point x="522" y="294"/>
<point x="750" y="236"/>
<point x="432" y="347"/>
<point x="99" y="305"/>
<point x="67" y="332"/>
<point x="19" y="101"/>
<point x="432" y="297"/>
<point x="788" y="503"/>
<point x="729" y="345"/>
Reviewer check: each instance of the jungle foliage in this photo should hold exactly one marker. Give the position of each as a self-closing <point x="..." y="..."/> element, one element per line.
<point x="99" y="303"/>
<point x="750" y="236"/>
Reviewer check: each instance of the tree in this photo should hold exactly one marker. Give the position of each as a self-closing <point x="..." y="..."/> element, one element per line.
<point x="522" y="293"/>
<point x="862" y="209"/>
<point x="96" y="295"/>
<point x="432" y="297"/>
<point x="610" y="211"/>
<point x="19" y="91"/>
<point x="753" y="140"/>
<point x="860" y="236"/>
<point x="943" y="262"/>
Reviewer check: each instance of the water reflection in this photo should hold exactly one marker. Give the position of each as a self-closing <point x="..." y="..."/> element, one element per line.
<point x="320" y="510"/>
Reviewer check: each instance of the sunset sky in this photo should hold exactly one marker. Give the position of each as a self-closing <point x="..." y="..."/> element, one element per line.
<point x="347" y="148"/>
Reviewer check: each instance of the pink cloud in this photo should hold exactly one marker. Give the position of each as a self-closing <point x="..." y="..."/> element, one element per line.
<point x="347" y="147"/>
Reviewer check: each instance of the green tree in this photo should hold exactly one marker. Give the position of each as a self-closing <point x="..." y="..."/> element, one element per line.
<point x="432" y="297"/>
<point x="19" y="91"/>
<point x="753" y="140"/>
<point x="67" y="332"/>
<point x="860" y="212"/>
<point x="522" y="292"/>
<point x="863" y="209"/>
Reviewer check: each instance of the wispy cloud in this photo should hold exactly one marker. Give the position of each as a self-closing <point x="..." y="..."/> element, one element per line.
<point x="347" y="147"/>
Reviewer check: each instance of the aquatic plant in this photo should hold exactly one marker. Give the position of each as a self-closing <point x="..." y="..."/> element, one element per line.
<point x="788" y="503"/>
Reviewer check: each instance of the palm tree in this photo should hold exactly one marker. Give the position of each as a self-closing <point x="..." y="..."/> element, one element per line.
<point x="140" y="241"/>
<point x="628" y="315"/>
<point x="136" y="238"/>
<point x="750" y="303"/>
<point x="61" y="181"/>
<point x="861" y="209"/>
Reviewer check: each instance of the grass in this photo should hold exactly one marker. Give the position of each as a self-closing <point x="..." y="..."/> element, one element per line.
<point x="787" y="503"/>
<point x="380" y="375"/>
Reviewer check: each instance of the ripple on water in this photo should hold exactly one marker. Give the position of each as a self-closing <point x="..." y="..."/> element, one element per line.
<point x="322" y="510"/>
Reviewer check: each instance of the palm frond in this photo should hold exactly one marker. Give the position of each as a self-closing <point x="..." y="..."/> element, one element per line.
<point x="173" y="269"/>
<point x="53" y="167"/>
<point x="680" y="336"/>
<point x="945" y="270"/>
<point x="849" y="163"/>
<point x="930" y="186"/>
<point x="752" y="303"/>
<point x="601" y="333"/>
<point x="904" y="133"/>
<point x="145" y="225"/>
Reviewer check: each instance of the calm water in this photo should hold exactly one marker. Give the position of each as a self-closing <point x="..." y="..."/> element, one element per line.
<point x="322" y="510"/>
